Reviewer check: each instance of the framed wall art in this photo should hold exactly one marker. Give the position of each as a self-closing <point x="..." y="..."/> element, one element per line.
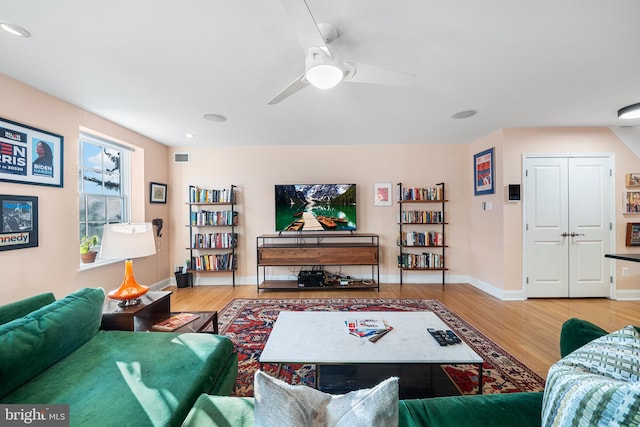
<point x="483" y="172"/>
<point x="158" y="193"/>
<point x="19" y="222"/>
<point x="633" y="234"/>
<point x="382" y="195"/>
<point x="29" y="155"/>
<point x="632" y="180"/>
<point x="631" y="202"/>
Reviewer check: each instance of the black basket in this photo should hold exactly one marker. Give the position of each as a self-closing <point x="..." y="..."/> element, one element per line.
<point x="184" y="280"/>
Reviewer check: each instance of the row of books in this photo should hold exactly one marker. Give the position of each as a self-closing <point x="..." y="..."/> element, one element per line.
<point x="424" y="260"/>
<point x="419" y="193"/>
<point x="420" y="217"/>
<point x="204" y="195"/>
<point x="414" y="238"/>
<point x="214" y="240"/>
<point x="214" y="262"/>
<point x="214" y="218"/>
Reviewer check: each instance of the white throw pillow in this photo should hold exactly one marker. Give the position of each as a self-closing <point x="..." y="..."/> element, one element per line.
<point x="278" y="404"/>
<point x="598" y="384"/>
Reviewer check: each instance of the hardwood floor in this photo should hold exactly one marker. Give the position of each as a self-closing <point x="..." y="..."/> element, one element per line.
<point x="530" y="330"/>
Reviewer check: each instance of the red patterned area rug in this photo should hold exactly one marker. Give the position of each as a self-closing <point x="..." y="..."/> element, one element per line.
<point x="248" y="322"/>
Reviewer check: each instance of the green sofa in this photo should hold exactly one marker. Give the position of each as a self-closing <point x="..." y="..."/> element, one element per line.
<point x="53" y="352"/>
<point x="514" y="409"/>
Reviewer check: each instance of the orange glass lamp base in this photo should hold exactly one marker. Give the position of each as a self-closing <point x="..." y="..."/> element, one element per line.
<point x="130" y="291"/>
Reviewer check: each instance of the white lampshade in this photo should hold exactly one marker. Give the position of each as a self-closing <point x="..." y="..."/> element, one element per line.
<point x="323" y="71"/>
<point x="127" y="241"/>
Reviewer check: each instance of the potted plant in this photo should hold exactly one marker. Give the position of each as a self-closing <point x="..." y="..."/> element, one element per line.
<point x="86" y="244"/>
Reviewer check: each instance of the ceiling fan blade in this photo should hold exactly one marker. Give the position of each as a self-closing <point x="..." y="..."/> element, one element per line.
<point x="305" y="25"/>
<point x="372" y="74"/>
<point x="295" y="86"/>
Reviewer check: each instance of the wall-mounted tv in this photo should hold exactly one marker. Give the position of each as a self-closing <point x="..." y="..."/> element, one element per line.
<point x="315" y="207"/>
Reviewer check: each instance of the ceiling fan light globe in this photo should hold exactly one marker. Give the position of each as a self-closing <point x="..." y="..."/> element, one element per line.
<point x="629" y="112"/>
<point x="324" y="76"/>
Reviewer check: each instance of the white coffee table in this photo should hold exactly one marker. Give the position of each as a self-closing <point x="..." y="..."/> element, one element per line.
<point x="321" y="338"/>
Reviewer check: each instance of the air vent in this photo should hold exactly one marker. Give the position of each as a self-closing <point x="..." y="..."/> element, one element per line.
<point x="180" y="157"/>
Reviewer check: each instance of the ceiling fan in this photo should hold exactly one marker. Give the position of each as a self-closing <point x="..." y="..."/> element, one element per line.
<point x="324" y="67"/>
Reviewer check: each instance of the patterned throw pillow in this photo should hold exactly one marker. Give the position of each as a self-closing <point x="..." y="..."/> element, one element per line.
<point x="278" y="404"/>
<point x="598" y="384"/>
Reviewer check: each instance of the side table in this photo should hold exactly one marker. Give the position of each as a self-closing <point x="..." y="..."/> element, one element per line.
<point x="115" y="317"/>
<point x="207" y="322"/>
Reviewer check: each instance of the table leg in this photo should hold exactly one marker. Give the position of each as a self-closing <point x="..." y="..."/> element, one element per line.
<point x="480" y="378"/>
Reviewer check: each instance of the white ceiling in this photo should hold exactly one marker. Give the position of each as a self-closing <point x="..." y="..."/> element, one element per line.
<point x="156" y="66"/>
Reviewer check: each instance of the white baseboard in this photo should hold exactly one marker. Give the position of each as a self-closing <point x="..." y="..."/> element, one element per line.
<point x="628" y="295"/>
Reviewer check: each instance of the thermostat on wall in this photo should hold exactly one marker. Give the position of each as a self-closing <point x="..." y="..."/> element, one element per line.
<point x="514" y="192"/>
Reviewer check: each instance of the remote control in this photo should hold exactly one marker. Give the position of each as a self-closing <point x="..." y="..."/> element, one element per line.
<point x="439" y="336"/>
<point x="453" y="337"/>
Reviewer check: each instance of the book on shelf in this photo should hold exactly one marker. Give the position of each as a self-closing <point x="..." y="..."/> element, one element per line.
<point x="371" y="329"/>
<point x="175" y="322"/>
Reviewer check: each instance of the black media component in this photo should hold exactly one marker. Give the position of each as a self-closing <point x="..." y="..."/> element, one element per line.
<point x="310" y="279"/>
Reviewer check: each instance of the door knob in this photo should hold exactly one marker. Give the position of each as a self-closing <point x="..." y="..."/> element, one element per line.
<point x="565" y="234"/>
<point x="576" y="234"/>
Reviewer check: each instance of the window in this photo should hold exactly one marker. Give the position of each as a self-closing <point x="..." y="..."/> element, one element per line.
<point x="104" y="177"/>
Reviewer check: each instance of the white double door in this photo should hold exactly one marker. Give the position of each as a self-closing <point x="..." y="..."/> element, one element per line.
<point x="568" y="226"/>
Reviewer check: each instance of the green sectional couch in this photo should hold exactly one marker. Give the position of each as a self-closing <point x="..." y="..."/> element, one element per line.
<point x="53" y="352"/>
<point x="514" y="409"/>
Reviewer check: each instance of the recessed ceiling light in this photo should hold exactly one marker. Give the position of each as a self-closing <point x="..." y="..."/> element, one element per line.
<point x="214" y="117"/>
<point x="14" y="29"/>
<point x="464" y="114"/>
<point x="189" y="135"/>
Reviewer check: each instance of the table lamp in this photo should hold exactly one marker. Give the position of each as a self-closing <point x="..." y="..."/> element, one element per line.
<point x="128" y="241"/>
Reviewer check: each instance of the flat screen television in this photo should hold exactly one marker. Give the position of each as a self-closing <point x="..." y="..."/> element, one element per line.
<point x="315" y="207"/>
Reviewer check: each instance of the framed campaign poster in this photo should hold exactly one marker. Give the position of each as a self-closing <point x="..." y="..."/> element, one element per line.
<point x="483" y="172"/>
<point x="29" y="155"/>
<point x="19" y="222"/>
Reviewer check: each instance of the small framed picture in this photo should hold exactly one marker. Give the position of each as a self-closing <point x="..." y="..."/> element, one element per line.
<point x="19" y="222"/>
<point x="158" y="193"/>
<point x="483" y="172"/>
<point x="631" y="202"/>
<point x="633" y="234"/>
<point x="382" y="194"/>
<point x="633" y="180"/>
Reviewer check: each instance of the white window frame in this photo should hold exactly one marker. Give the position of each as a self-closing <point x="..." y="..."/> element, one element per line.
<point x="125" y="176"/>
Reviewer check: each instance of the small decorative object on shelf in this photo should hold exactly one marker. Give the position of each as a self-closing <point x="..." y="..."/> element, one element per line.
<point x="212" y="208"/>
<point x="412" y="243"/>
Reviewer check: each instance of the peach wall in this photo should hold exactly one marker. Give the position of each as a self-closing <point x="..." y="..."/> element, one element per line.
<point x="54" y="265"/>
<point x="495" y="265"/>
<point x="501" y="228"/>
<point x="255" y="170"/>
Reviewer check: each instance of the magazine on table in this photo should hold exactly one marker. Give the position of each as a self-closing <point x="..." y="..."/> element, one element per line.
<point x="371" y="329"/>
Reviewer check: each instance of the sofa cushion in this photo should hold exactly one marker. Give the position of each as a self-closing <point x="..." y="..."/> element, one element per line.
<point x="596" y="384"/>
<point x="491" y="410"/>
<point x="278" y="404"/>
<point x="577" y="332"/>
<point x="121" y="377"/>
<point x="30" y="344"/>
<point x="23" y="307"/>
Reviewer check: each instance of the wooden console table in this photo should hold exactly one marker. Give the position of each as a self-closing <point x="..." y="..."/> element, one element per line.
<point x="318" y="250"/>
